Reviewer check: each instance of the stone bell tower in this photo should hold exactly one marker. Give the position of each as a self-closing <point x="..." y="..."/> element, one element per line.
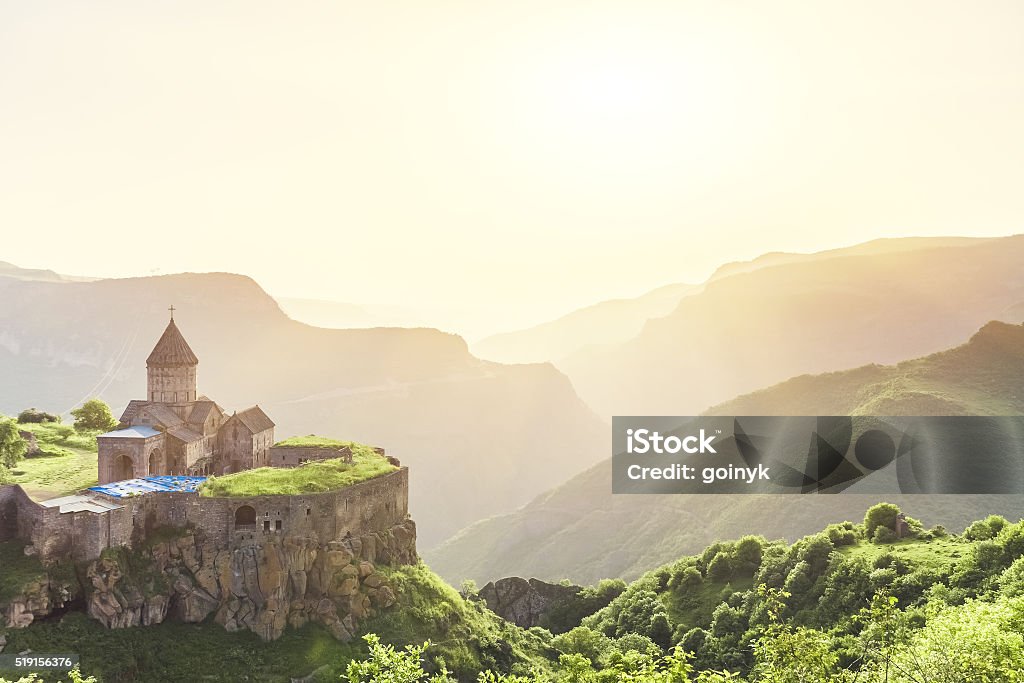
<point x="171" y="368"/>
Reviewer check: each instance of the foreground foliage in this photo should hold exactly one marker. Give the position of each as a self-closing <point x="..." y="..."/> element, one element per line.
<point x="853" y="604"/>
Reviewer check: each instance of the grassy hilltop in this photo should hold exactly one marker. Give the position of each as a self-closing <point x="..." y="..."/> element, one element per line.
<point x="67" y="462"/>
<point x="311" y="477"/>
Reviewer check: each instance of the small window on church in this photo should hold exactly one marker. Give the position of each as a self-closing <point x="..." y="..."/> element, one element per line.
<point x="277" y="525"/>
<point x="266" y="525"/>
<point x="309" y="511"/>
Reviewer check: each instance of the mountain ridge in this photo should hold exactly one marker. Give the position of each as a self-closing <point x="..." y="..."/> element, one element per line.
<point x="758" y="328"/>
<point x="580" y="531"/>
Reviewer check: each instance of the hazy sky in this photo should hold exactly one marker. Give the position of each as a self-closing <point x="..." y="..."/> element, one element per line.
<point x="509" y="161"/>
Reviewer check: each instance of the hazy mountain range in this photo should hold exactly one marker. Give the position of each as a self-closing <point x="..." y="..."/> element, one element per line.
<point x="596" y="328"/>
<point x="607" y="322"/>
<point x="825" y="312"/>
<point x="484" y="438"/>
<point x="481" y="438"/>
<point x="580" y="531"/>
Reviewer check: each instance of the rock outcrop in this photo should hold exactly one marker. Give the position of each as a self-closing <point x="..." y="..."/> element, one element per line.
<point x="525" y="603"/>
<point x="31" y="443"/>
<point x="260" y="587"/>
<point x="37" y="598"/>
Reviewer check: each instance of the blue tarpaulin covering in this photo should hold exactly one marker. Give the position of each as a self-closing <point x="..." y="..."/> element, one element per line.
<point x="159" y="484"/>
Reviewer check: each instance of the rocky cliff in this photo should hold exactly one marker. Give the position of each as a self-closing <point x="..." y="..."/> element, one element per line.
<point x="262" y="587"/>
<point x="37" y="598"/>
<point x="526" y="603"/>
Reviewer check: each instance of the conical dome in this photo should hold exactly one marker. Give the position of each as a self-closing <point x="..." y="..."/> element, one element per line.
<point x="172" y="349"/>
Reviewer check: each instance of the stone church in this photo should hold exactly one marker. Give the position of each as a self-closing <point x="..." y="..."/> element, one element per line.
<point x="174" y="430"/>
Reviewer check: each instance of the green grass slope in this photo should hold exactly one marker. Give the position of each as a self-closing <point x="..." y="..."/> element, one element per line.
<point x="311" y="477"/>
<point x="582" y="532"/>
<point x="67" y="463"/>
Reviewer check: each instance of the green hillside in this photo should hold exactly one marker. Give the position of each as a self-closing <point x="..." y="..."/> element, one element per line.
<point x="310" y="477"/>
<point x="466" y="639"/>
<point x="580" y="531"/>
<point x="850" y="603"/>
<point x="67" y="462"/>
<point x="835" y="606"/>
<point x="985" y="376"/>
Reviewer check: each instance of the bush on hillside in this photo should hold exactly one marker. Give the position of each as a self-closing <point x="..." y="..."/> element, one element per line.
<point x="36" y="416"/>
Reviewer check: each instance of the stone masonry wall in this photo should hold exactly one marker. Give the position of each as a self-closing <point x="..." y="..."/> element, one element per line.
<point x="365" y="508"/>
<point x="293" y="456"/>
<point x="8" y="513"/>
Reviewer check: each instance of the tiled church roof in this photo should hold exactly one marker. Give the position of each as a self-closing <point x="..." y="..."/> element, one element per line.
<point x="162" y="414"/>
<point x="172" y="349"/>
<point x="255" y="419"/>
<point x="201" y="410"/>
<point x="128" y="416"/>
<point x="184" y="434"/>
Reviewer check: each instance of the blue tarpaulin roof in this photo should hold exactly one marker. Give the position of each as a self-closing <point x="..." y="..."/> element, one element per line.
<point x="138" y="432"/>
<point x="158" y="484"/>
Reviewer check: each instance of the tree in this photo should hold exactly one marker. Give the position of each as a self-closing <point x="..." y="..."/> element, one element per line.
<point x="788" y="654"/>
<point x="388" y="665"/>
<point x="883" y="514"/>
<point x="469" y="589"/>
<point x="94" y="415"/>
<point x="747" y="555"/>
<point x="583" y="641"/>
<point x="976" y="641"/>
<point x="12" y="446"/>
<point x="720" y="569"/>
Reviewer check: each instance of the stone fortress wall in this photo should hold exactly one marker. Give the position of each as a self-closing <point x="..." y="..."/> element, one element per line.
<point x="359" y="510"/>
<point x="293" y="456"/>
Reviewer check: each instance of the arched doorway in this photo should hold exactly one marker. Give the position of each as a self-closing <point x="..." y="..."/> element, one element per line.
<point x="123" y="468"/>
<point x="156" y="462"/>
<point x="245" y="517"/>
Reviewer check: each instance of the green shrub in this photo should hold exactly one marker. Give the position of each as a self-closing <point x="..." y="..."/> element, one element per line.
<point x="884" y="534"/>
<point x="841" y="534"/>
<point x="985" y="529"/>
<point x="94" y="415"/>
<point x="880" y="515"/>
<point x="36" y="416"/>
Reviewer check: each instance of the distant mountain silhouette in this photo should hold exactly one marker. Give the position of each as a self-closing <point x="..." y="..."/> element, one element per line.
<point x="580" y="531"/>
<point x="480" y="438"/>
<point x="13" y="271"/>
<point x="607" y="322"/>
<point x="592" y="330"/>
<point x="828" y="311"/>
